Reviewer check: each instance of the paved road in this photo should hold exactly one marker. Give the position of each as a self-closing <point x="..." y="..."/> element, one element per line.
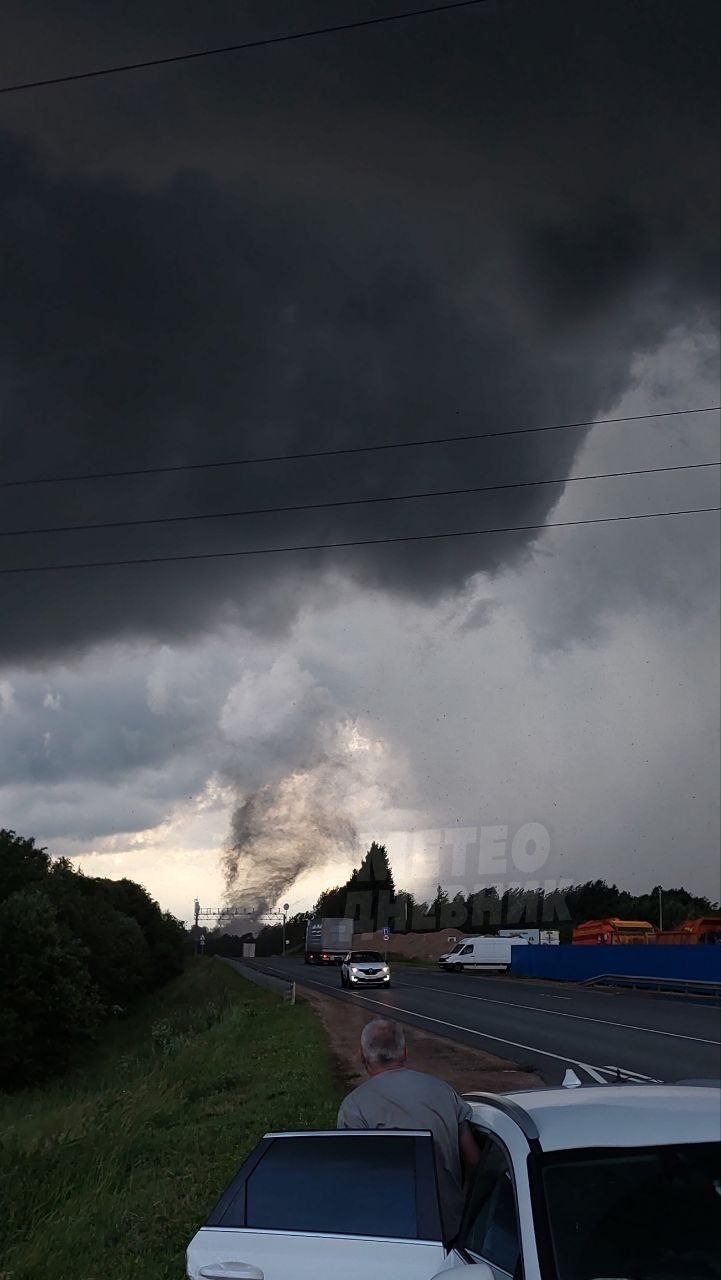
<point x="550" y="1026"/>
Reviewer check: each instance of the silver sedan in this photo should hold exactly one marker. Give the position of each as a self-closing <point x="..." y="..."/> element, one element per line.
<point x="364" y="969"/>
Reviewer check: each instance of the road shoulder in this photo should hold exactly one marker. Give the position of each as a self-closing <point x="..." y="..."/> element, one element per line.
<point x="466" y="1069"/>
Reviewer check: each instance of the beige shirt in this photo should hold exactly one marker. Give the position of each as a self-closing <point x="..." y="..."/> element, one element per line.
<point x="405" y="1099"/>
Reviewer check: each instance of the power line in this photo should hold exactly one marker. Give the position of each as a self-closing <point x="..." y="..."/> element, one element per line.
<point x="365" y="542"/>
<point x="352" y="449"/>
<point x="349" y="502"/>
<point x="238" y="48"/>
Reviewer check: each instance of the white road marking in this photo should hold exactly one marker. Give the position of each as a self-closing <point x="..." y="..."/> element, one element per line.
<point x="630" y="1075"/>
<point x="560" y="1013"/>
<point x="594" y="1073"/>
<point x="483" y="1035"/>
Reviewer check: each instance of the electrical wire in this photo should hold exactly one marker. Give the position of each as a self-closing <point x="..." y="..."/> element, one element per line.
<point x="351" y="449"/>
<point x="365" y="542"/>
<point x="261" y="43"/>
<point x="349" y="502"/>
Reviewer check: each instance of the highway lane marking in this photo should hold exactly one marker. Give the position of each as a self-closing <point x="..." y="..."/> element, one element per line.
<point x="342" y="994"/>
<point x="482" y="1035"/>
<point x="631" y="1075"/>
<point x="560" y="1013"/>
<point x="594" y="1074"/>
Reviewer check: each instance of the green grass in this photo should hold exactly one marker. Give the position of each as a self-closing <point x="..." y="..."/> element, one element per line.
<point x="107" y="1173"/>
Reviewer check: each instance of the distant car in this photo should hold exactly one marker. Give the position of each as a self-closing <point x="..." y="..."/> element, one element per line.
<point x="365" y="969"/>
<point x="572" y="1184"/>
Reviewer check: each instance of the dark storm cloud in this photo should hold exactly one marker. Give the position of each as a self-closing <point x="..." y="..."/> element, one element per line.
<point x="457" y="226"/>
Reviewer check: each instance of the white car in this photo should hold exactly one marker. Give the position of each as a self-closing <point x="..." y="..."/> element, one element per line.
<point x="364" y="969"/>
<point x="619" y="1181"/>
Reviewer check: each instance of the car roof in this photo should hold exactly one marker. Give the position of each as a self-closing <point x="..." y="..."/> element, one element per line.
<point x="637" y="1115"/>
<point x="346" y="1133"/>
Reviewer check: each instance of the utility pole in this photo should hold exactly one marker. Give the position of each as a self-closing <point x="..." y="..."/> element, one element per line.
<point x="285" y="917"/>
<point x="660" y="910"/>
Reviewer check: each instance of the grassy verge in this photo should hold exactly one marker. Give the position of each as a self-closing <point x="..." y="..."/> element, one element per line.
<point x="106" y="1174"/>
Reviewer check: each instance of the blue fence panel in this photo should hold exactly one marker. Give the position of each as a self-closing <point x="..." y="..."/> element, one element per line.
<point x="571" y="963"/>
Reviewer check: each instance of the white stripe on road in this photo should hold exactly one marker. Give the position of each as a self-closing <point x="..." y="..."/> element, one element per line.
<point x="632" y="1075"/>
<point x="560" y="1013"/>
<point x="454" y="1026"/>
<point x="593" y="1072"/>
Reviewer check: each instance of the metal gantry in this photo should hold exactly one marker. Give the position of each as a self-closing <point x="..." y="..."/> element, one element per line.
<point x="246" y="911"/>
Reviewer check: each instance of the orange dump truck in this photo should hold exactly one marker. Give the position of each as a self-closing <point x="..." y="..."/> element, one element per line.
<point x="705" y="930"/>
<point x="613" y="931"/>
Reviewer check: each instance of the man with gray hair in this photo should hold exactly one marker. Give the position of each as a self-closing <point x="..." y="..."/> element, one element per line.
<point x="394" y="1097"/>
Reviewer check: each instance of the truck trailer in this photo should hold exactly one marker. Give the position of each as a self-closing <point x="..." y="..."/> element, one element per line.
<point x="706" y="931"/>
<point x="612" y="931"/>
<point x="328" y="941"/>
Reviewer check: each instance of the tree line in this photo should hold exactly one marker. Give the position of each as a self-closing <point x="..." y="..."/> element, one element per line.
<point x="74" y="950"/>
<point x="371" y="898"/>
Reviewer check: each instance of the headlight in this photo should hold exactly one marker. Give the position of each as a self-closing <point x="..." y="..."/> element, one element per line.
<point x="353" y="970"/>
<point x="385" y="969"/>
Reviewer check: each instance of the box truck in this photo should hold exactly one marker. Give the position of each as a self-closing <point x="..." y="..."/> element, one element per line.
<point x="328" y="941"/>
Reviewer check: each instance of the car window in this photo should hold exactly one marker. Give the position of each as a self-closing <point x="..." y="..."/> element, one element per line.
<point x="649" y="1212"/>
<point x="357" y="957"/>
<point x="467" y="951"/>
<point x="338" y="1183"/>
<point x="490" y="1229"/>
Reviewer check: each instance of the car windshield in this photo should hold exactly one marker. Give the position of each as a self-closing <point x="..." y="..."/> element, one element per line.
<point x="357" y="957"/>
<point x="636" y="1214"/>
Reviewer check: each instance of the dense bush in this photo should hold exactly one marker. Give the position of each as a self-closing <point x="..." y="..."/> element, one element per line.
<point x="49" y="1004"/>
<point x="73" y="949"/>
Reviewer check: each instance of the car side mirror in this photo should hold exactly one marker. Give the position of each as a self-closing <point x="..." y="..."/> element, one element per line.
<point x="476" y="1271"/>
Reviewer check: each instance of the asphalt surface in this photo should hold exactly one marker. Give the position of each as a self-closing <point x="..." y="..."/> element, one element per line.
<point x="548" y="1026"/>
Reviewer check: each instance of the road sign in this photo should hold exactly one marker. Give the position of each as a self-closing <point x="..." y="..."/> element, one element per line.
<point x="386" y="934"/>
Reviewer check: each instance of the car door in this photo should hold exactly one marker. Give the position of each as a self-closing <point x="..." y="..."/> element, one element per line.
<point x="351" y="1204"/>
<point x="490" y="1230"/>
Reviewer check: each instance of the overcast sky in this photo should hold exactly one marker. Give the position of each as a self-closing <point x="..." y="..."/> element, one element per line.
<point x="478" y="221"/>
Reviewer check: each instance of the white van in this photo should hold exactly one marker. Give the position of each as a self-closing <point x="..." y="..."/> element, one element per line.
<point x="478" y="953"/>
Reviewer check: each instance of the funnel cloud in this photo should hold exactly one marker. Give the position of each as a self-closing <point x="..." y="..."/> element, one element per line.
<point x="284" y="829"/>
<point x="488" y="220"/>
